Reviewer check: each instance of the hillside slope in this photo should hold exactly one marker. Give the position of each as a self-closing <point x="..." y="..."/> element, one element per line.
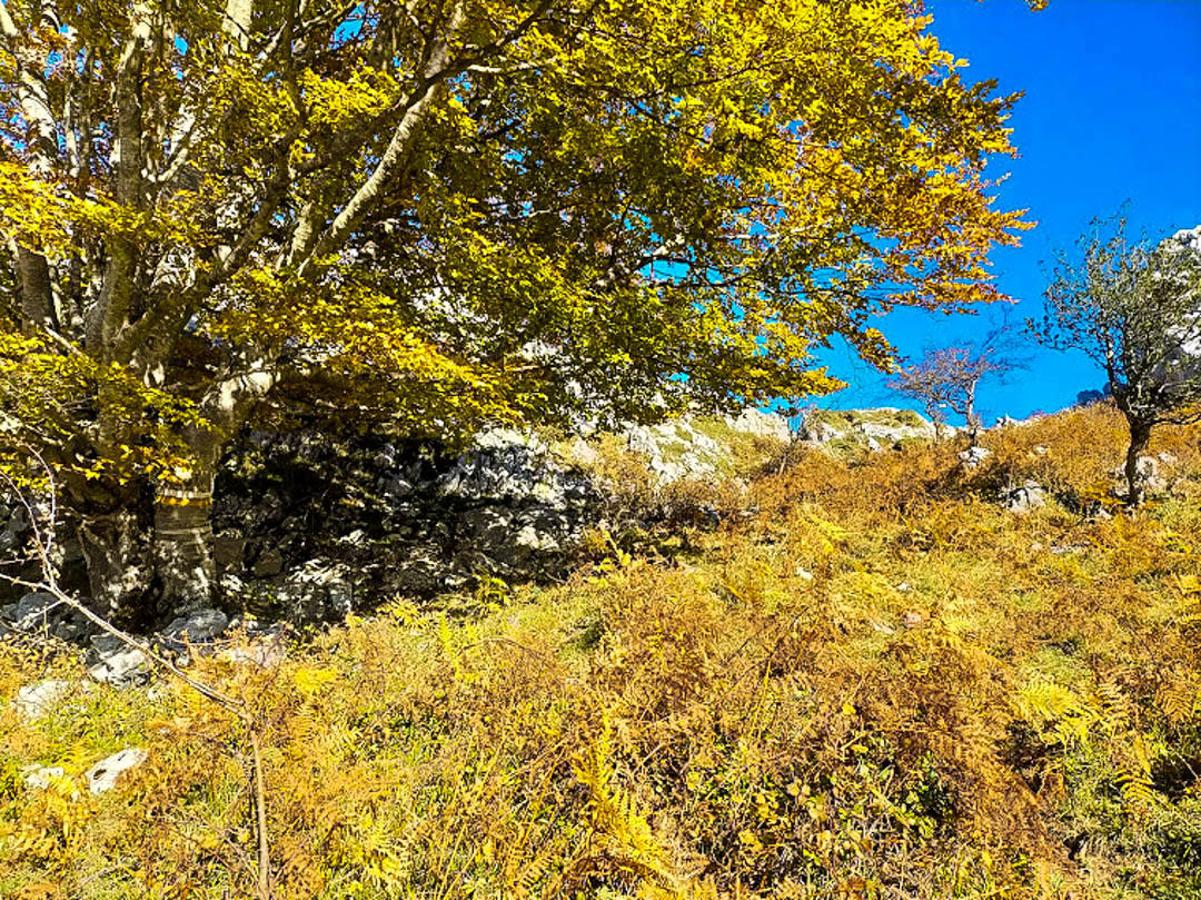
<point x="901" y="677"/>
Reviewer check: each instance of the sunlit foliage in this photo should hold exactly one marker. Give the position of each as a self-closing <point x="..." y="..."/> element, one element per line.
<point x="443" y="213"/>
<point x="885" y="684"/>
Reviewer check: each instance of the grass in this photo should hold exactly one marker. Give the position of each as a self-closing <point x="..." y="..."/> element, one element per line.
<point x="882" y="685"/>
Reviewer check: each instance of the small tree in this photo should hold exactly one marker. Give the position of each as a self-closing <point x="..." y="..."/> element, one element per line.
<point x="948" y="378"/>
<point x="1135" y="309"/>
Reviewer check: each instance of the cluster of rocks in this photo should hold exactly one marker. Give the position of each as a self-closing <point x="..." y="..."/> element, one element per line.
<point x="113" y="661"/>
<point x="100" y="777"/>
<point x="308" y="527"/>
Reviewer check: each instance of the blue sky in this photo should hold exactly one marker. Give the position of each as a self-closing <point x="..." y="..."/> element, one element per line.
<point x="1112" y="113"/>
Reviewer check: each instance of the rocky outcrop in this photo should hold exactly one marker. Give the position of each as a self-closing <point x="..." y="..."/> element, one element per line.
<point x="869" y="429"/>
<point x="688" y="448"/>
<point x="310" y="527"/>
<point x="676" y="450"/>
<point x="761" y="424"/>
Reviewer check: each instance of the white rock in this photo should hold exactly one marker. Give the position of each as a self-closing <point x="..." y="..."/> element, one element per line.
<point x="264" y="654"/>
<point x="1148" y="472"/>
<point x="35" y="700"/>
<point x="974" y="456"/>
<point x="677" y="450"/>
<point x="1029" y="496"/>
<point x="103" y="776"/>
<point x="117" y="663"/>
<point x="764" y="424"/>
<point x="38" y="778"/>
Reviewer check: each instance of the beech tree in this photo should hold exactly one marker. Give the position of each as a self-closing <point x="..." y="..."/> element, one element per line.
<point x="1134" y="307"/>
<point x="449" y="212"/>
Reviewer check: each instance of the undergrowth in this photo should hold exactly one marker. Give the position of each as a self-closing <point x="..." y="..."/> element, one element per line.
<point x="884" y="684"/>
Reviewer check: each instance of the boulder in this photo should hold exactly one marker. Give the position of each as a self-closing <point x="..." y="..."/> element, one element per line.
<point x="35" y="700"/>
<point x="114" y="662"/>
<point x="324" y="520"/>
<point x="973" y="457"/>
<point x="1029" y="496"/>
<point x="200" y="626"/>
<point x="35" y="609"/>
<point x="103" y="775"/>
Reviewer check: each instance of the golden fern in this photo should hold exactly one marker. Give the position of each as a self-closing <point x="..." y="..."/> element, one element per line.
<point x="627" y="840"/>
<point x="1179" y="698"/>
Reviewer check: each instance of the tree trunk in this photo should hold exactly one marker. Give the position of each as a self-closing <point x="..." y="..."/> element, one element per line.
<point x="146" y="564"/>
<point x="117" y="549"/>
<point x="973" y="420"/>
<point x="1140" y="437"/>
<point x="183" y="532"/>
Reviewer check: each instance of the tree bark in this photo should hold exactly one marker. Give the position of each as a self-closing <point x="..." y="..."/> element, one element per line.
<point x="117" y="549"/>
<point x="147" y="560"/>
<point x="1140" y="437"/>
<point x="183" y="533"/>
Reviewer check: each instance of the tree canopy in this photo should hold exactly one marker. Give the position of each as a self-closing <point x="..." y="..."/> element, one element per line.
<point x="1134" y="307"/>
<point x="457" y="211"/>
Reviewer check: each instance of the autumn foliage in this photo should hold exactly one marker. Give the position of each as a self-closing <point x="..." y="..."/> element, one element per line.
<point x="883" y="685"/>
<point x="438" y="214"/>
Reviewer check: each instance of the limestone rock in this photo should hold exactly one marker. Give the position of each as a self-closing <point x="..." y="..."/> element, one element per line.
<point x="38" y="778"/>
<point x="35" y="700"/>
<point x="762" y="424"/>
<point x="103" y="775"/>
<point x="320" y="590"/>
<point x="973" y="457"/>
<point x="1029" y="496"/>
<point x="1150" y="473"/>
<point x="197" y="627"/>
<point x="115" y="663"/>
<point x="35" y="609"/>
<point x="676" y="450"/>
